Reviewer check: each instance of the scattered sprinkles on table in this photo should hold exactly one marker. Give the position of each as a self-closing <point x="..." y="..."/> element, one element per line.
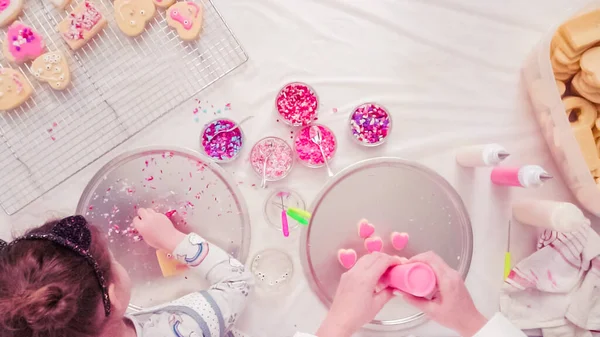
<point x="279" y="162"/>
<point x="309" y="152"/>
<point x="225" y="146"/>
<point x="370" y="124"/>
<point x="297" y="104"/>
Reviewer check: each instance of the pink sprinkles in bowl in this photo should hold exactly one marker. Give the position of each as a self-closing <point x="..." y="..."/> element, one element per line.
<point x="370" y="124"/>
<point x="309" y="152"/>
<point x="297" y="104"/>
<point x="219" y="145"/>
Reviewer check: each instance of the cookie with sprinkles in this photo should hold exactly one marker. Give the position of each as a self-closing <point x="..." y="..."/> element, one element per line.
<point x="82" y="25"/>
<point x="14" y="89"/>
<point x="370" y="124"/>
<point x="297" y="103"/>
<point x="22" y="43"/>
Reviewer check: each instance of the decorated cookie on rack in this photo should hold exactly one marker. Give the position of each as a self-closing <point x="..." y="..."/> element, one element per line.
<point x="81" y="25"/>
<point x="163" y="3"/>
<point x="60" y="4"/>
<point x="9" y="10"/>
<point x="22" y="43"/>
<point x="133" y="15"/>
<point x="52" y="68"/>
<point x="14" y="89"/>
<point x="186" y="17"/>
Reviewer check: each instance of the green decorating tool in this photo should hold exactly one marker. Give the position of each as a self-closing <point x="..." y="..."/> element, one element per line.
<point x="300" y="215"/>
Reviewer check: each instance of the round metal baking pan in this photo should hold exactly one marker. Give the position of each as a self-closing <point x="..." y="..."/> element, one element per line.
<point x="165" y="179"/>
<point x="394" y="195"/>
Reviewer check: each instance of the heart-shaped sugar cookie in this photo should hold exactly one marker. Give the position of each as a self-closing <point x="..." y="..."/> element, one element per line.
<point x="399" y="240"/>
<point x="52" y="67"/>
<point x="365" y="229"/>
<point x="374" y="244"/>
<point x="347" y="258"/>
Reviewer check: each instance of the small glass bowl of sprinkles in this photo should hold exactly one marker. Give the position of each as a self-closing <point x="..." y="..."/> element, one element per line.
<point x="297" y="104"/>
<point x="220" y="144"/>
<point x="370" y="124"/>
<point x="308" y="152"/>
<point x="278" y="155"/>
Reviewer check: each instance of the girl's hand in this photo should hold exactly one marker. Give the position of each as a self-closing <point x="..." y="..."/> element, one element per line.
<point x="452" y="305"/>
<point x="357" y="299"/>
<point x="157" y="230"/>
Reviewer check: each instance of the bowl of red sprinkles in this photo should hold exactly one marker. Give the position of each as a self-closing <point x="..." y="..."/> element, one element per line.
<point x="370" y="124"/>
<point x="278" y="155"/>
<point x="297" y="104"/>
<point x="221" y="143"/>
<point x="308" y="152"/>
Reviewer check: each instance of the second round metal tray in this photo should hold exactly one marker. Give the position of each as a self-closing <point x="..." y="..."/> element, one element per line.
<point x="394" y="195"/>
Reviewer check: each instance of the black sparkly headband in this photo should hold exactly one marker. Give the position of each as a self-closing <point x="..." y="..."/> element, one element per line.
<point x="72" y="233"/>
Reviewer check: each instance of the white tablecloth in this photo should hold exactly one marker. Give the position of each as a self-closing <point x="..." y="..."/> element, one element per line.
<point x="448" y="70"/>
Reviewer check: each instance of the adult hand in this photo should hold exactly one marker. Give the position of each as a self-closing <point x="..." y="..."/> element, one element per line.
<point x="157" y="230"/>
<point x="452" y="305"/>
<point x="358" y="299"/>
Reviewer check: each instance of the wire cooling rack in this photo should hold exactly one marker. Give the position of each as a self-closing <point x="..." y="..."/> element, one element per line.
<point x="119" y="86"/>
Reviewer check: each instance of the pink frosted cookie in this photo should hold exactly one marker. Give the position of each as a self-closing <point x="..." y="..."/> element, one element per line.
<point x="374" y="244"/>
<point x="347" y="258"/>
<point x="399" y="240"/>
<point x="365" y="229"/>
<point x="187" y="18"/>
<point x="22" y="43"/>
<point x="81" y="25"/>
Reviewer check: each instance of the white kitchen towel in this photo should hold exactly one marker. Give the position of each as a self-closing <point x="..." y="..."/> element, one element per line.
<point x="557" y="288"/>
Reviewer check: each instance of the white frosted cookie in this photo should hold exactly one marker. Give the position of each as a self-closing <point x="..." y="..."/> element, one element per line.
<point x="133" y="15"/>
<point x="9" y="10"/>
<point x="163" y="3"/>
<point x="22" y="43"/>
<point x="81" y="25"/>
<point x="52" y="68"/>
<point x="60" y="4"/>
<point x="14" y="89"/>
<point x="186" y="17"/>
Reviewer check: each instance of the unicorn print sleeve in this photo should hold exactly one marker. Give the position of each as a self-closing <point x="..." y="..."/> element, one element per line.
<point x="208" y="313"/>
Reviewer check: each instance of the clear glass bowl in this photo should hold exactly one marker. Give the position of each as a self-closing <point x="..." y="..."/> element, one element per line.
<point x="316" y="148"/>
<point x="286" y="120"/>
<point x="241" y="134"/>
<point x="256" y="170"/>
<point x="272" y="269"/>
<point x="368" y="144"/>
<point x="272" y="208"/>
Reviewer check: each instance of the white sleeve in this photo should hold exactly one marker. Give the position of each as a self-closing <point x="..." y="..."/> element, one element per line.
<point x="499" y="326"/>
<point x="300" y="334"/>
<point x="218" y="307"/>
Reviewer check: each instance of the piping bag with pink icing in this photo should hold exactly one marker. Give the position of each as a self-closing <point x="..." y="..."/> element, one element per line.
<point x="347" y="258"/>
<point x="22" y="43"/>
<point x="417" y="279"/>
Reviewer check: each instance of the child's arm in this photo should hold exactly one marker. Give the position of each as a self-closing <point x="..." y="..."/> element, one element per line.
<point x="218" y="307"/>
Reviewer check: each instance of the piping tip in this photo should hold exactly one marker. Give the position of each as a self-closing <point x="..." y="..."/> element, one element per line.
<point x="503" y="155"/>
<point x="545" y="176"/>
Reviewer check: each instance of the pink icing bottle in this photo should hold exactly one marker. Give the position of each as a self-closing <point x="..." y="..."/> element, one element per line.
<point x="417" y="279"/>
